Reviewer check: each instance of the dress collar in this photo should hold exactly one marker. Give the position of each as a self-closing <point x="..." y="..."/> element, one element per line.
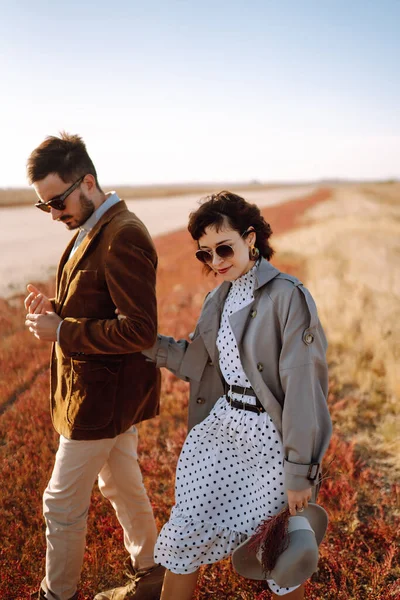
<point x="247" y="280"/>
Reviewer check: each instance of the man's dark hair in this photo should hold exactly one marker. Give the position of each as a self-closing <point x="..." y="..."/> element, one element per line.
<point x="225" y="206"/>
<point x="65" y="155"/>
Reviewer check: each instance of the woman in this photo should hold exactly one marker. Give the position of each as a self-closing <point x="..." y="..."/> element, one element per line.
<point x="258" y="418"/>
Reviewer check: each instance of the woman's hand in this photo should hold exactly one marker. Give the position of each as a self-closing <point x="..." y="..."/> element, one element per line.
<point x="298" y="501"/>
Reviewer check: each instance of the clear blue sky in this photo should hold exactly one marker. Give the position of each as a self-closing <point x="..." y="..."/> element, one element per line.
<point x="169" y="91"/>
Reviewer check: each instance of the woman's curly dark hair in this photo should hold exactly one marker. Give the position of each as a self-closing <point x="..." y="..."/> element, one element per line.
<point x="241" y="215"/>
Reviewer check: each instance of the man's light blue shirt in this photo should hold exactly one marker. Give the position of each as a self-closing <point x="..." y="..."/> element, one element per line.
<point x="93" y="219"/>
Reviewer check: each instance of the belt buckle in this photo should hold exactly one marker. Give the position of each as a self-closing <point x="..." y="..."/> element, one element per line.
<point x="229" y="394"/>
<point x="243" y="395"/>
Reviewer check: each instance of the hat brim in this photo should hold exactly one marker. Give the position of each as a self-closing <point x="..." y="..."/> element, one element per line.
<point x="246" y="563"/>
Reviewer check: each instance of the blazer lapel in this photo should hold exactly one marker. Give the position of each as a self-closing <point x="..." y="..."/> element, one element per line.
<point x="68" y="267"/>
<point x="60" y="280"/>
<point x="72" y="264"/>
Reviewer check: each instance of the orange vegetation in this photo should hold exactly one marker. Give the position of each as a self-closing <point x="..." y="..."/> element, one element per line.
<point x="359" y="557"/>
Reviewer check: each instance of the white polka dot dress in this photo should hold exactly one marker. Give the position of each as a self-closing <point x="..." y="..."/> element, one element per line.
<point x="229" y="475"/>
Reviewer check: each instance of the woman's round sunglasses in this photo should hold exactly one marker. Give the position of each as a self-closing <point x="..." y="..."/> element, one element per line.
<point x="58" y="202"/>
<point x="224" y="251"/>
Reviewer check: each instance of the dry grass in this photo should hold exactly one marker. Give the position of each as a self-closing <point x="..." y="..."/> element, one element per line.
<point x="359" y="559"/>
<point x="352" y="247"/>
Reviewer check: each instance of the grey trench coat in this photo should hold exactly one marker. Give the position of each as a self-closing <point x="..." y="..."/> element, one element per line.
<point x="282" y="348"/>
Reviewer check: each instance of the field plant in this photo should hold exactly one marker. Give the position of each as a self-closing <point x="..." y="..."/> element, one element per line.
<point x="350" y="246"/>
<point x="359" y="556"/>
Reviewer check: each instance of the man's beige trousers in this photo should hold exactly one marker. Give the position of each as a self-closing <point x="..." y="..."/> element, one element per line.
<point x="66" y="502"/>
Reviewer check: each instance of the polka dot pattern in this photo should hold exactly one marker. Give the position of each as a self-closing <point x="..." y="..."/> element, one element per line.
<point x="240" y="295"/>
<point x="229" y="475"/>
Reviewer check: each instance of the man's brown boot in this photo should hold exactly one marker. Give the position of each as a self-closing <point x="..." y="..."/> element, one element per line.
<point x="145" y="584"/>
<point x="41" y="595"/>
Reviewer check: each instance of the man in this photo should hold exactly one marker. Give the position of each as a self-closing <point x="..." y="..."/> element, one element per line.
<point x="101" y="384"/>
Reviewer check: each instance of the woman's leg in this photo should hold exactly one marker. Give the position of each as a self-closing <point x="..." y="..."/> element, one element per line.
<point x="179" y="587"/>
<point x="298" y="594"/>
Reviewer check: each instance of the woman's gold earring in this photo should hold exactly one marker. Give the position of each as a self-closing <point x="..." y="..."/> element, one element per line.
<point x="254" y="253"/>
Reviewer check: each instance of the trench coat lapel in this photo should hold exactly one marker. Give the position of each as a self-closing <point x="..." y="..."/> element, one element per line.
<point x="264" y="273"/>
<point x="211" y="317"/>
<point x="238" y="321"/>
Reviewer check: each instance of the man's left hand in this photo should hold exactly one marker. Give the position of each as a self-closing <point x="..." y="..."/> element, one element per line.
<point x="44" y="327"/>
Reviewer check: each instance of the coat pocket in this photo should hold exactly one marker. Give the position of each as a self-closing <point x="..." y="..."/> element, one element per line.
<point x="92" y="393"/>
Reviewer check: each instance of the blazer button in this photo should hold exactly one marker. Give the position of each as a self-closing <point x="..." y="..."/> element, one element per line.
<point x="210" y="362"/>
<point x="253" y="313"/>
<point x="260" y="366"/>
<point x="200" y="401"/>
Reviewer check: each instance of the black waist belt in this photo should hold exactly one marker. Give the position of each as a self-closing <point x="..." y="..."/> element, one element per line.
<point x="237" y="389"/>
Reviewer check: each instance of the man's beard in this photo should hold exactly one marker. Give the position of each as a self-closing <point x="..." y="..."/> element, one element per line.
<point x="87" y="209"/>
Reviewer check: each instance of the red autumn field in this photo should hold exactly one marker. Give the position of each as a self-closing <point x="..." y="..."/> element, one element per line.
<point x="359" y="556"/>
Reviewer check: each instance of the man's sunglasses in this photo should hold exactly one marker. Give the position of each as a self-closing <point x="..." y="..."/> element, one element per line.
<point x="58" y="202"/>
<point x="224" y="251"/>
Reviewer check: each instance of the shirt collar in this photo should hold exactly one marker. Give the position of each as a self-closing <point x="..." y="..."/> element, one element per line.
<point x="247" y="280"/>
<point x="112" y="198"/>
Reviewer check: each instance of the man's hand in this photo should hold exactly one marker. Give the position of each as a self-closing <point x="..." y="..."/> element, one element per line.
<point x="37" y="303"/>
<point x="43" y="326"/>
<point x="298" y="501"/>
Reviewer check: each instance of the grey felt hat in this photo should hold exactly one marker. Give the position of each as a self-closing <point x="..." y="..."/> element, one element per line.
<point x="300" y="559"/>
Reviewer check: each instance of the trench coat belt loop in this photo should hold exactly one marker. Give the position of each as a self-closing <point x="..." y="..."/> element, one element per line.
<point x="236" y="389"/>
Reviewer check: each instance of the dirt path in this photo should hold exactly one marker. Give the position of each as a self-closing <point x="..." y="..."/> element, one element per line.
<point x="31" y="244"/>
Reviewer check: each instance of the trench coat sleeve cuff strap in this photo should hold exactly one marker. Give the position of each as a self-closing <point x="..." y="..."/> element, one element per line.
<point x="299" y="476"/>
<point x="158" y="353"/>
<point x="162" y="351"/>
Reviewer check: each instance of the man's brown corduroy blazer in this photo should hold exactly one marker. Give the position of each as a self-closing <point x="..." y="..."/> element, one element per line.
<point x="101" y="384"/>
